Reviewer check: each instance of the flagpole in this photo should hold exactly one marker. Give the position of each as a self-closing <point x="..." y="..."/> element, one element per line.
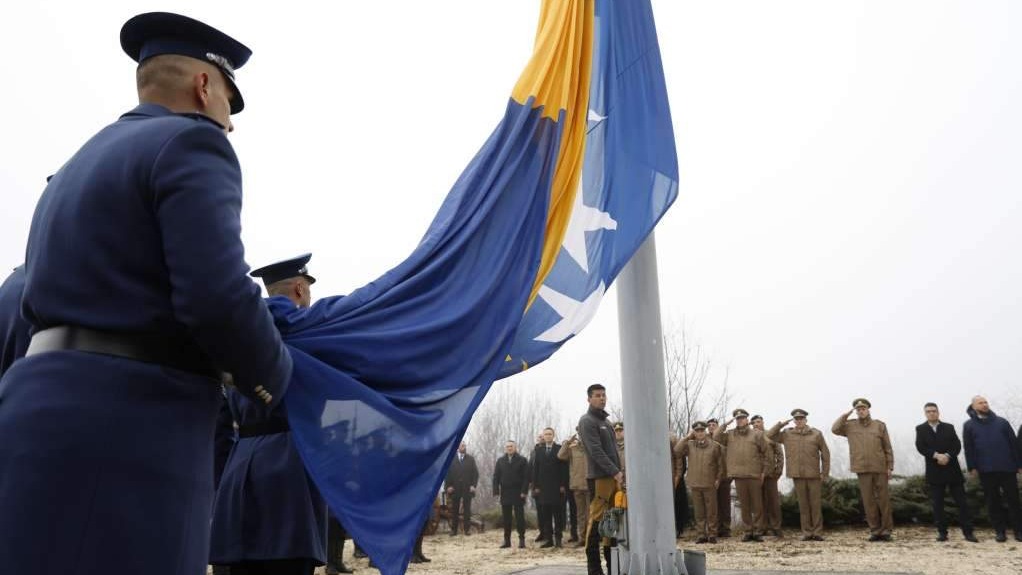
<point x="651" y="547"/>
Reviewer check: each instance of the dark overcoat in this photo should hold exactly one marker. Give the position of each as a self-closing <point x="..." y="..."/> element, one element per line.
<point x="266" y="506"/>
<point x="511" y="479"/>
<point x="549" y="474"/>
<point x="943" y="440"/>
<point x="107" y="462"/>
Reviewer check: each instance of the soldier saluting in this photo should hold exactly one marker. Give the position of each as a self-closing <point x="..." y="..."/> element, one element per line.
<point x="807" y="459"/>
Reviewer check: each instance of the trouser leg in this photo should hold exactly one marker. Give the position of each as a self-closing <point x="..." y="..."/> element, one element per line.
<point x="681" y="506"/>
<point x="771" y="504"/>
<point x="603" y="493"/>
<point x="519" y="509"/>
<point x="545" y="518"/>
<point x="581" y="497"/>
<point x="802" y="493"/>
<point x="453" y="511"/>
<point x="572" y="513"/>
<point x="558" y="513"/>
<point x="699" y="502"/>
<point x="884" y="501"/>
<point x="505" y="519"/>
<point x="724" y="506"/>
<point x="964" y="513"/>
<point x="937" y="503"/>
<point x="867" y="490"/>
<point x="1010" y="487"/>
<point x="750" y="496"/>
<point x="815" y="488"/>
<point x="466" y="502"/>
<point x="992" y="495"/>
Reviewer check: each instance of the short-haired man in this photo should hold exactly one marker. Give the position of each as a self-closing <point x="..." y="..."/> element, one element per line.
<point x="771" y="493"/>
<point x="938" y="443"/>
<point x="872" y="459"/>
<point x="723" y="489"/>
<point x="992" y="453"/>
<point x="126" y="356"/>
<point x="572" y="452"/>
<point x="550" y="486"/>
<point x="808" y="464"/>
<point x="604" y="474"/>
<point x="462" y="478"/>
<point x="511" y="484"/>
<point x="747" y="464"/>
<point x="705" y="462"/>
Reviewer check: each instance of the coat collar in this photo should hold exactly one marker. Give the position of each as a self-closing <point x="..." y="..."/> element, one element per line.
<point x="156" y="111"/>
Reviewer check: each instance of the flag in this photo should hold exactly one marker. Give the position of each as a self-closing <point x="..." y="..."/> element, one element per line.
<point x="386" y="379"/>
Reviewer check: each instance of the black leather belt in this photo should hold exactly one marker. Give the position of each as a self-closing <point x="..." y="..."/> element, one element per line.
<point x="176" y="353"/>
<point x="268" y="427"/>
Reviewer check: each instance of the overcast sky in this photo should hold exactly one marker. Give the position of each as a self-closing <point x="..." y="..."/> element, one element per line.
<point x="849" y="213"/>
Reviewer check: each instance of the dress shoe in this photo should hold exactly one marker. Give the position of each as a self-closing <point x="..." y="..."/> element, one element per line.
<point x="874" y="538"/>
<point x="807" y="538"/>
<point x="702" y="540"/>
<point x="817" y="538"/>
<point x="539" y="538"/>
<point x="886" y="538"/>
<point x="751" y="538"/>
<point x="424" y="559"/>
<point x="573" y="539"/>
<point x="723" y="533"/>
<point x="342" y="568"/>
<point x="971" y="538"/>
<point x="415" y="559"/>
<point x="777" y="533"/>
<point x="558" y="544"/>
<point x="1018" y="536"/>
<point x="546" y="544"/>
<point x="507" y="543"/>
<point x="712" y="540"/>
<point x="941" y="537"/>
<point x="1000" y="537"/>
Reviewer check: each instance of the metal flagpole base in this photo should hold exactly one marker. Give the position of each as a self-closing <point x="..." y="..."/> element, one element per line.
<point x="622" y="562"/>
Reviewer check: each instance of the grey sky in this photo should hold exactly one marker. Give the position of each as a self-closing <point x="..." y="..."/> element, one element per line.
<point x="850" y="195"/>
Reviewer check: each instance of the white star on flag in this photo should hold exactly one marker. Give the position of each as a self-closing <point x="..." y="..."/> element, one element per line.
<point x="575" y="314"/>
<point x="584" y="219"/>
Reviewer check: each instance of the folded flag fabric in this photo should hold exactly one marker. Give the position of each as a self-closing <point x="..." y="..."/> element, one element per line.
<point x="573" y="178"/>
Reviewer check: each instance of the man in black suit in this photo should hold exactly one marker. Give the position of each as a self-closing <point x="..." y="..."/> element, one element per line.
<point x="461" y="481"/>
<point x="938" y="443"/>
<point x="550" y="486"/>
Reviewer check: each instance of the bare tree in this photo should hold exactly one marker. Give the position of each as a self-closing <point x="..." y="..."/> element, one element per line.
<point x="694" y="390"/>
<point x="506" y="413"/>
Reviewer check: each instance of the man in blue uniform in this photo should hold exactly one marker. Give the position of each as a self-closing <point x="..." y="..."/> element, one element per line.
<point x="139" y="301"/>
<point x="268" y="517"/>
<point x="14" y="330"/>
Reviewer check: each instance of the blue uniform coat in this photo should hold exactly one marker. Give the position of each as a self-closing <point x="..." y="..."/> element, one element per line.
<point x="266" y="506"/>
<point x="106" y="463"/>
<point x="14" y="330"/>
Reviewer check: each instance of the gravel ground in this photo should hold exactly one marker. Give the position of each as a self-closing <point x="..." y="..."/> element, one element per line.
<point x="912" y="551"/>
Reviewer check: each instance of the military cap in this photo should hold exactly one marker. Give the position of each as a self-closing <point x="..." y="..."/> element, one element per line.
<point x="861" y="402"/>
<point x="712" y="420"/>
<point x="739" y="413"/>
<point x="158" y="33"/>
<point x="283" y="270"/>
<point x="799" y="413"/>
<point x="756" y="417"/>
<point x="699" y="425"/>
<point x="619" y="425"/>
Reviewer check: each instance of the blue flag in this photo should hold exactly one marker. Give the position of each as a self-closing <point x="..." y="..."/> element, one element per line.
<point x="573" y="178"/>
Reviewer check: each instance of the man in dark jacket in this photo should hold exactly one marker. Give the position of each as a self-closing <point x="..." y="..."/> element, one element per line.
<point x="938" y="443"/>
<point x="550" y="486"/>
<point x="991" y="452"/>
<point x="462" y="477"/>
<point x="605" y="472"/>
<point x="511" y="484"/>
